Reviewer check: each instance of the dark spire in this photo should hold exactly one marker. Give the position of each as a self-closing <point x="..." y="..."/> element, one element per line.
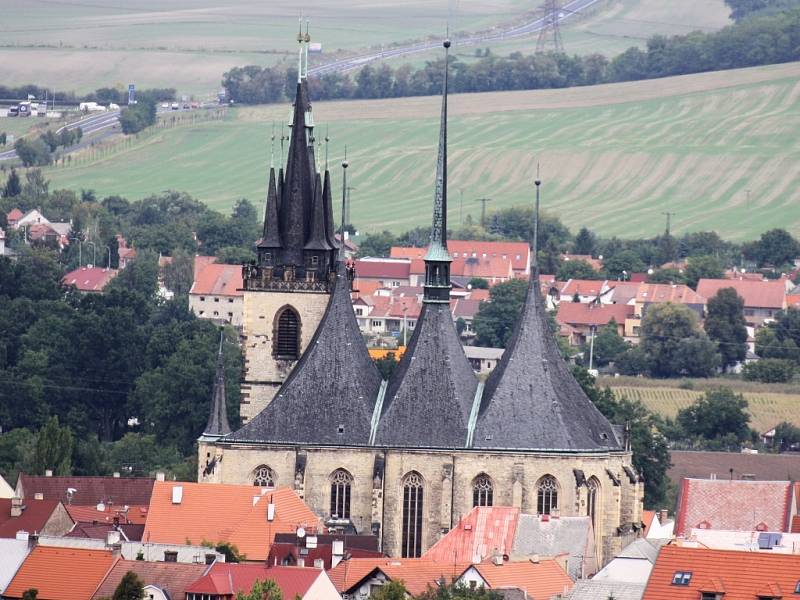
<point x="327" y="200"/>
<point x="271" y="237"/>
<point x="437" y="259"/>
<point x="345" y="164"/>
<point x="316" y="236"/>
<point x="217" y="425"/>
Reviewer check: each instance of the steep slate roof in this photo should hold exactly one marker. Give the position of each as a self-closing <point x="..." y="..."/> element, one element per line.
<point x="61" y="573"/>
<point x="218" y="512"/>
<point x="739" y="575"/>
<point x="756" y="294"/>
<point x="271" y="235"/>
<point x="218" y="418"/>
<point x="477" y="536"/>
<point x="224" y="579"/>
<point x="738" y="505"/>
<point x="416" y="573"/>
<point x="430" y="396"/>
<point x="532" y="401"/>
<point x="173" y="578"/>
<point x="330" y="395"/>
<point x="572" y="536"/>
<point x="133" y="491"/>
<point x="543" y="579"/>
<point x="34" y="516"/>
<point x="597" y="590"/>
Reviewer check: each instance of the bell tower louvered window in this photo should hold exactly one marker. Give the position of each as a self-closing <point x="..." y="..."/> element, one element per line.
<point x="412" y="515"/>
<point x="287" y="334"/>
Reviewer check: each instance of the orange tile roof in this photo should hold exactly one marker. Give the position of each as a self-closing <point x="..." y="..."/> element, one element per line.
<point x="90" y="279"/>
<point x="225" y="513"/>
<point x="228" y="579"/>
<point x="416" y="573"/>
<point x="90" y="514"/>
<point x="476" y="294"/>
<point x="740" y="575"/>
<point x="756" y="294"/>
<point x="376" y="353"/>
<point x="543" y="579"/>
<point x="216" y="279"/>
<point x="647" y="520"/>
<point x="665" y="292"/>
<point x="584" y="287"/>
<point x="517" y="252"/>
<point x="15" y="215"/>
<point x="61" y="573"/>
<point x="579" y="313"/>
<point x="477" y="536"/>
<point x="367" y="287"/>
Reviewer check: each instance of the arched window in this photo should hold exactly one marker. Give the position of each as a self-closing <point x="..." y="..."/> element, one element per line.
<point x="482" y="491"/>
<point x="592" y="499"/>
<point x="341" y="481"/>
<point x="287" y="334"/>
<point x="547" y="495"/>
<point x="263" y="476"/>
<point x="412" y="515"/>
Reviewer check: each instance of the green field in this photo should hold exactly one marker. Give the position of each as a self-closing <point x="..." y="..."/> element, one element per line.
<point x="188" y="44"/>
<point x="693" y="145"/>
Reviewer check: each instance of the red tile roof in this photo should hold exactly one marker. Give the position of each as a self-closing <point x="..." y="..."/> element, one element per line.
<point x="464" y="307"/>
<point x="738" y="505"/>
<point x="173" y="578"/>
<point x="647" y="520"/>
<point x="477" y="294"/>
<point x="34" y="517"/>
<point x="584" y="287"/>
<point x="382" y="269"/>
<point x="739" y="575"/>
<point x="116" y="491"/>
<point x="90" y="279"/>
<point x="15" y="215"/>
<point x="543" y="579"/>
<point x="61" y="573"/>
<point x="665" y="292"/>
<point x="517" y="252"/>
<point x="578" y="313"/>
<point x="100" y="531"/>
<point x="491" y="268"/>
<point x="756" y="294"/>
<point x="595" y="263"/>
<point x="416" y="573"/>
<point x="215" y="279"/>
<point x="225" y="513"/>
<point x="477" y="536"/>
<point x="91" y="514"/>
<point x="226" y="579"/>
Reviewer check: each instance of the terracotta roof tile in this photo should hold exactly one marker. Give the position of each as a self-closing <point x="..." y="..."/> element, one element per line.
<point x="756" y="294"/>
<point x="543" y="579"/>
<point x="647" y="520"/>
<point x="133" y="491"/>
<point x="416" y="573"/>
<point x="61" y="573"/>
<point x="579" y="313"/>
<point x="90" y="514"/>
<point x="35" y="515"/>
<point x="229" y="578"/>
<point x="90" y="279"/>
<point x="477" y="536"/>
<point x="225" y="513"/>
<point x="15" y="215"/>
<point x="517" y="252"/>
<point x="382" y="269"/>
<point x="740" y="575"/>
<point x="584" y="287"/>
<point x="216" y="279"/>
<point x="665" y="292"/>
<point x="173" y="578"/>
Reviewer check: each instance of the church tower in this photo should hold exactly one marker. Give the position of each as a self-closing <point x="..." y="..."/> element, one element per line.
<point x="287" y="289"/>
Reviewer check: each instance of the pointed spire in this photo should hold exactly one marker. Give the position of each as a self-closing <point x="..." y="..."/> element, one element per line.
<point x="217" y="425"/>
<point x="271" y="237"/>
<point x="437" y="259"/>
<point x="316" y="235"/>
<point x="327" y="202"/>
<point x="272" y="148"/>
<point x="538" y="183"/>
<point x="345" y="164"/>
<point x="300" y="52"/>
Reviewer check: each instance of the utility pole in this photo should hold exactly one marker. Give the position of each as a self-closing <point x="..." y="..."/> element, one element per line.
<point x="551" y="12"/>
<point x="591" y="349"/>
<point x="483" y="202"/>
<point x="669" y="215"/>
<point x="460" y="207"/>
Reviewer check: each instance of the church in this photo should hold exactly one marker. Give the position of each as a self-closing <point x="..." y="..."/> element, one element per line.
<point x="403" y="459"/>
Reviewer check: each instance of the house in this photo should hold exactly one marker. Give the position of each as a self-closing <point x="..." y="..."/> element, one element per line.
<point x="89" y="280"/>
<point x="465" y="309"/>
<point x="586" y="290"/>
<point x="483" y="360"/>
<point x="774" y="542"/>
<point x="224" y="581"/>
<point x="127" y="254"/>
<point x="290" y="550"/>
<point x="53" y="234"/>
<point x="659" y="293"/>
<point x="632" y="565"/>
<point x="33" y="515"/>
<point x="762" y="299"/>
<point x="732" y="465"/>
<point x="13" y="217"/>
<point x="478" y="536"/>
<point x="87" y="491"/>
<point x="682" y="573"/>
<point x="32" y="217"/>
<point x="108" y="513"/>
<point x="595" y="263"/>
<point x="584" y="319"/>
<point x="741" y="505"/>
<point x="350" y="247"/>
<point x="572" y="540"/>
<point x="129" y="532"/>
<point x="386" y="272"/>
<point x="13" y="552"/>
<point x="359" y="577"/>
<point x="246" y="516"/>
<point x="61" y="573"/>
<point x="162" y="580"/>
<point x="136" y="550"/>
<point x="517" y="253"/>
<point x="537" y="578"/>
<point x="657" y="525"/>
<point x="216" y="292"/>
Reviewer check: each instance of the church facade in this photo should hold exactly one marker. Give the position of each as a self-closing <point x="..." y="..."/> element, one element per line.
<point x="404" y="458"/>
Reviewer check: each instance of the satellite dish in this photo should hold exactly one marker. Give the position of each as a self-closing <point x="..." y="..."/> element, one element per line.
<point x="301" y="532"/>
<point x="101" y="507"/>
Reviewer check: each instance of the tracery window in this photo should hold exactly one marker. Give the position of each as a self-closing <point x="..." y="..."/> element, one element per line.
<point x="263" y="476"/>
<point x="341" y="482"/>
<point x="287" y="334"/>
<point x="482" y="491"/>
<point x="547" y="495"/>
<point x="593" y="487"/>
<point x="412" y="515"/>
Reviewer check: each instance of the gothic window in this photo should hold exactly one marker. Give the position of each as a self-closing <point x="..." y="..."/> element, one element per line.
<point x="412" y="515"/>
<point x="592" y="499"/>
<point x="547" y="495"/>
<point x="287" y="334"/>
<point x="482" y="491"/>
<point x="341" y="482"/>
<point x="263" y="476"/>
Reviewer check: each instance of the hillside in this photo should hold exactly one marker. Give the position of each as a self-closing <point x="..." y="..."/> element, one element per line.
<point x="613" y="157"/>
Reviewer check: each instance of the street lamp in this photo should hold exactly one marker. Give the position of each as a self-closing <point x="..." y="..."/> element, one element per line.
<point x="94" y="253"/>
<point x="108" y="264"/>
<point x="405" y="325"/>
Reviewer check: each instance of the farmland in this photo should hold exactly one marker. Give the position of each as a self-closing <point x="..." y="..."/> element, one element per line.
<point x="613" y="157"/>
<point x="189" y="44"/>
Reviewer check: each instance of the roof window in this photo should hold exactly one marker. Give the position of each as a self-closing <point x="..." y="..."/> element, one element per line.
<point x="681" y="578"/>
<point x="797" y="588"/>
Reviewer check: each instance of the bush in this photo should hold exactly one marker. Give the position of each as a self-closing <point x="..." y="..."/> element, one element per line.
<point x="33" y="153"/>
<point x="769" y="370"/>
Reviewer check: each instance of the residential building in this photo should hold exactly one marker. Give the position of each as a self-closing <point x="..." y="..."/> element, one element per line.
<point x="13" y="553"/>
<point x="126" y="253"/>
<point x="360" y="577"/>
<point x="290" y="550"/>
<point x="162" y="580"/>
<point x="483" y="360"/>
<point x="573" y="540"/>
<point x="632" y="565"/>
<point x="658" y="525"/>
<point x="584" y="290"/>
<point x="762" y="299"/>
<point x="216" y="292"/>
<point x="33" y="515"/>
<point x="517" y="253"/>
<point x="243" y="515"/>
<point x="732" y="465"/>
<point x="61" y="573"/>
<point x="682" y="573"/>
<point x="225" y="581"/>
<point x="87" y="491"/>
<point x="13" y="217"/>
<point x="740" y="505"/>
<point x="89" y="280"/>
<point x="648" y="294"/>
<point x="6" y="491"/>
<point x="774" y="542"/>
<point x="592" y="589"/>
<point x="595" y="263"/>
<point x="537" y="578"/>
<point x="386" y="272"/>
<point x="132" y="550"/>
<point x="586" y="319"/>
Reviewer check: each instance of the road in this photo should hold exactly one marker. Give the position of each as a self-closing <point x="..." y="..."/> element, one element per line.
<point x="569" y="10"/>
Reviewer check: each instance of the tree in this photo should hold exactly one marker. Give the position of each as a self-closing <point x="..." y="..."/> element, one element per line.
<point x="179" y="273"/>
<point x="665" y="276"/>
<point x="13" y="186"/>
<point x="17" y="450"/>
<point x="30" y="594"/>
<point x="674" y="344"/>
<point x="585" y="242"/>
<point x="725" y="325"/>
<point x="387" y="365"/>
<point x="495" y="319"/>
<point x="54" y="449"/>
<point x="787" y="437"/>
<point x="576" y="269"/>
<point x="622" y="264"/>
<point x="780" y="339"/>
<point x="608" y="345"/>
<point x="36" y="187"/>
<point x="719" y="416"/>
<point x="452" y="591"/>
<point x="231" y="551"/>
<point x="775" y="248"/>
<point x="376" y="244"/>
<point x="134" y="118"/>
<point x="769" y="370"/>
<point x="478" y="283"/>
<point x="33" y="153"/>
<point x="633" y="361"/>
<point x="262" y="590"/>
<point x="130" y="588"/>
<point x="702" y="267"/>
<point x="391" y="590"/>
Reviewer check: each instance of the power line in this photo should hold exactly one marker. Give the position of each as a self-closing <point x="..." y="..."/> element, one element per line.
<point x="551" y="17"/>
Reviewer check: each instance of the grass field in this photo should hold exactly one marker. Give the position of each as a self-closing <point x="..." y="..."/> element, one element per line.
<point x="613" y="157"/>
<point x="188" y="44"/>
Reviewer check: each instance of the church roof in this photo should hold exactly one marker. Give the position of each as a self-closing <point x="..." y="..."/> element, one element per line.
<point x="330" y="394"/>
<point x="532" y="401"/>
<point x="272" y="235"/>
<point x="218" y="418"/>
<point x="317" y="235"/>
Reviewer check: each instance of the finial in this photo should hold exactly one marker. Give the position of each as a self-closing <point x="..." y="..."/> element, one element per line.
<point x="327" y="139"/>
<point x="345" y="164"/>
<point x="307" y="40"/>
<point x="538" y="183"/>
<point x="300" y="51"/>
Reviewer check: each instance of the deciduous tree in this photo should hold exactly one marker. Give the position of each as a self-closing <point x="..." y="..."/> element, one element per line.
<point x="725" y="325"/>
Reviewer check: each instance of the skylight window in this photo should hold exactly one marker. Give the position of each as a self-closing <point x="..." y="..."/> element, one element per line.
<point x="797" y="588"/>
<point x="681" y="578"/>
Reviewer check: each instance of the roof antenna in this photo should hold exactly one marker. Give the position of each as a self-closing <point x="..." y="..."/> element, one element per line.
<point x="538" y="183"/>
<point x="345" y="164"/>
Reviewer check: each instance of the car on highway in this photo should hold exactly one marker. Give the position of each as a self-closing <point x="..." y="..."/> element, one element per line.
<point x="165" y="105"/>
<point x="175" y="106"/>
<point x="195" y="105"/>
<point x="13" y="111"/>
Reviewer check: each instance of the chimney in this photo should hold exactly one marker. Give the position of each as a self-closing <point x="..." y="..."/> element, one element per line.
<point x="663" y="515"/>
<point x="33" y="540"/>
<point x="497" y="558"/>
<point x="319" y="563"/>
<point x="270" y="510"/>
<point x="48" y="473"/>
<point x="38" y="496"/>
<point x="116" y="474"/>
<point x="16" y="506"/>
<point x="160" y="476"/>
<point x="535" y="559"/>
